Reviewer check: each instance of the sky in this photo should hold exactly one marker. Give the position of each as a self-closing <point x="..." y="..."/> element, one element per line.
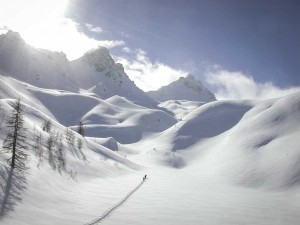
<point x="235" y="48"/>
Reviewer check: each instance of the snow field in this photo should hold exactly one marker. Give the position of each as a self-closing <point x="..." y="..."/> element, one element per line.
<point x="223" y="162"/>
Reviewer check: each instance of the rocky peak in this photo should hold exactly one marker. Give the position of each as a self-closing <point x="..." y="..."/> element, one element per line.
<point x="12" y="35"/>
<point x="12" y="39"/>
<point x="98" y="58"/>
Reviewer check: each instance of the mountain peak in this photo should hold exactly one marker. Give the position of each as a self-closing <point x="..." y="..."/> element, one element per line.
<point x="13" y="34"/>
<point x="190" y="77"/>
<point x="185" y="88"/>
<point x="12" y="37"/>
<point x="100" y="58"/>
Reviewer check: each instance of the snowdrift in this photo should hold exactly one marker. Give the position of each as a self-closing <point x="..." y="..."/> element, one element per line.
<point x="250" y="143"/>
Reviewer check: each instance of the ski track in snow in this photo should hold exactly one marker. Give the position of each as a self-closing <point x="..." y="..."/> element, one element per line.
<point x="99" y="220"/>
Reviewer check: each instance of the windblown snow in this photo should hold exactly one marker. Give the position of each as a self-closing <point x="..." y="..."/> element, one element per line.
<point x="207" y="161"/>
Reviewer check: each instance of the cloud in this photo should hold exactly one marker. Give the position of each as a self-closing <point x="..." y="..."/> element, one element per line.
<point x="63" y="35"/>
<point x="237" y="85"/>
<point x="146" y="74"/>
<point x="42" y="24"/>
<point x="126" y="50"/>
<point x="110" y="43"/>
<point x="93" y="28"/>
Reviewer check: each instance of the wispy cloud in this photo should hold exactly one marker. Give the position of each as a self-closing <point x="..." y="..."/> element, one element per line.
<point x="146" y="74"/>
<point x="237" y="85"/>
<point x="126" y="50"/>
<point x="110" y="43"/>
<point x="93" y="28"/>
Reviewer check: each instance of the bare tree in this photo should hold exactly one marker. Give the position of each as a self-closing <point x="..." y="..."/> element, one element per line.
<point x="15" y="142"/>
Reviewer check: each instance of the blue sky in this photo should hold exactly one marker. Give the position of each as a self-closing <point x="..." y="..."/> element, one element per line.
<point x="260" y="38"/>
<point x="235" y="47"/>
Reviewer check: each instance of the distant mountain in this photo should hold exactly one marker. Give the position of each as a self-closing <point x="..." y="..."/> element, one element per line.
<point x="34" y="66"/>
<point x="187" y="88"/>
<point x="95" y="71"/>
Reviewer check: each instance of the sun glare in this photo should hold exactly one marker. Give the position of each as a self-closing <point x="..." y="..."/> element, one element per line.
<point x="42" y="24"/>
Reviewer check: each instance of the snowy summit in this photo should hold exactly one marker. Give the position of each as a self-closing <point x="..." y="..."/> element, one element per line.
<point x="185" y="88"/>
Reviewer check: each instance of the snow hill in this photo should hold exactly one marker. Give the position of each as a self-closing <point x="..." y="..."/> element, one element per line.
<point x="215" y="163"/>
<point x="250" y="143"/>
<point x="185" y="88"/>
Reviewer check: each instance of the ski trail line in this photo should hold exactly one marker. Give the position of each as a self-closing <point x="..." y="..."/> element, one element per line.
<point x="98" y="220"/>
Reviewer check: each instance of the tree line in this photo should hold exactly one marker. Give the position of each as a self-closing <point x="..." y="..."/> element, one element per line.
<point x="15" y="141"/>
<point x="51" y="150"/>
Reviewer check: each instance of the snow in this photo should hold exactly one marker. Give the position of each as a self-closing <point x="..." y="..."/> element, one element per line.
<point x="185" y="88"/>
<point x="98" y="72"/>
<point x="215" y="163"/>
<point x="180" y="108"/>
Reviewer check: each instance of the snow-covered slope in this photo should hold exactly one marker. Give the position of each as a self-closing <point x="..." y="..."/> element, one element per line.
<point x="185" y="88"/>
<point x="215" y="163"/>
<point x="180" y="108"/>
<point x="250" y="143"/>
<point x="102" y="118"/>
<point x="218" y="149"/>
<point x="118" y="117"/>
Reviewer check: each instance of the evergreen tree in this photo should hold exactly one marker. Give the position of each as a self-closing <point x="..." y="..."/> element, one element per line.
<point x="47" y="126"/>
<point x="51" y="150"/>
<point x="38" y="147"/>
<point x="70" y="137"/>
<point x="60" y="156"/>
<point x="79" y="143"/>
<point x="15" y="140"/>
<point x="80" y="129"/>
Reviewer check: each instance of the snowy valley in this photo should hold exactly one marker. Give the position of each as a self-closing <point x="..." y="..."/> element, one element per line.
<point x="207" y="161"/>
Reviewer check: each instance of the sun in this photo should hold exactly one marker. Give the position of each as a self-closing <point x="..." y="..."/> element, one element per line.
<point x="42" y="24"/>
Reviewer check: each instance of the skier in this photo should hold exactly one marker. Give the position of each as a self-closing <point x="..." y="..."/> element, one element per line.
<point x="144" y="178"/>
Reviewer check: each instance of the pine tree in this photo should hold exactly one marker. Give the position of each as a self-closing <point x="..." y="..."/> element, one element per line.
<point x="15" y="140"/>
<point x="70" y="137"/>
<point x="60" y="157"/>
<point x="79" y="143"/>
<point x="51" y="150"/>
<point x="79" y="146"/>
<point x="38" y="147"/>
<point x="80" y="129"/>
<point x="47" y="126"/>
